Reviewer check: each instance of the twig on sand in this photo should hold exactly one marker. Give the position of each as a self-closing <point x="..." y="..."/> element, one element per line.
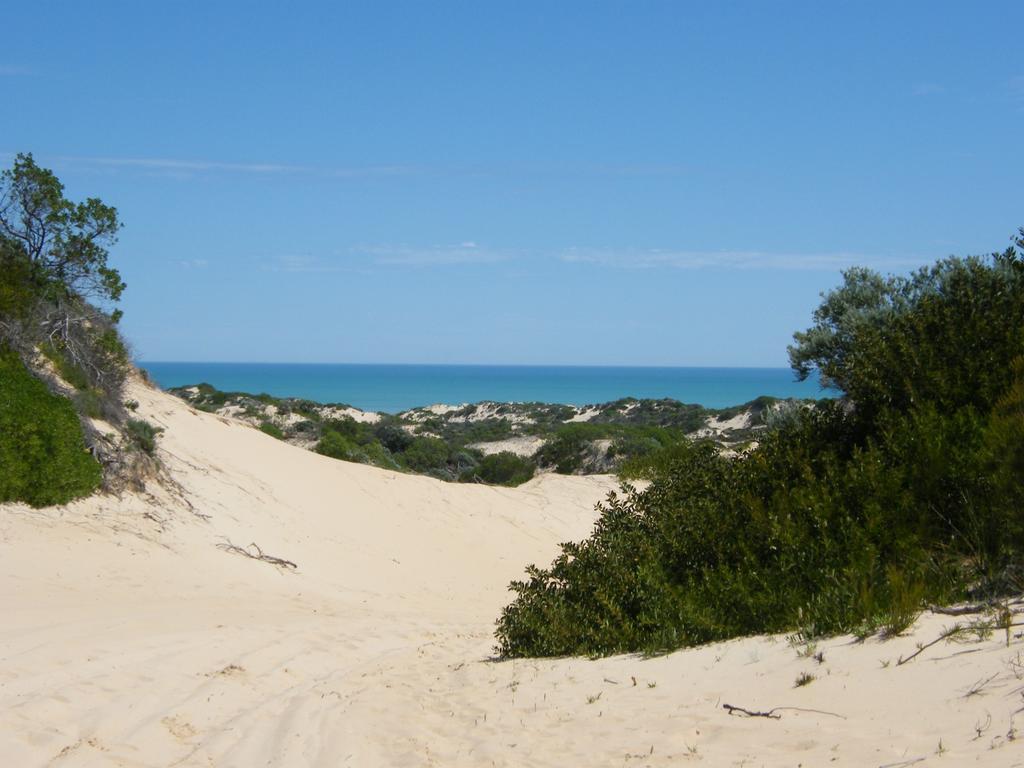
<point x="965" y="610"/>
<point x="254" y="552"/>
<point x="751" y="713"/>
<point x="902" y="763"/>
<point x="946" y="634"/>
<point x="772" y="713"/>
<point x="979" y="686"/>
<point x="962" y="610"/>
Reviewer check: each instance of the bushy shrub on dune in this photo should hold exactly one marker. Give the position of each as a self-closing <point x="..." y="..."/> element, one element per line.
<point x="270" y="428"/>
<point x="504" y="468"/>
<point x="336" y="445"/>
<point x="57" y="297"/>
<point x="426" y="454"/>
<point x="43" y="458"/>
<point x="849" y="516"/>
<point x="142" y="435"/>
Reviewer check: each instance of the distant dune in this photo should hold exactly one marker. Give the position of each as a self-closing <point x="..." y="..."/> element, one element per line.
<point x="170" y="628"/>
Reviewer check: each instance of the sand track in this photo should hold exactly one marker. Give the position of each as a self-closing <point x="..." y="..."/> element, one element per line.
<point x="129" y="638"/>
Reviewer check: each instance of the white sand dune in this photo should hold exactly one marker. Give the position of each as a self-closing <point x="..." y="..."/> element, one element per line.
<point x="129" y="638"/>
<point x="520" y="445"/>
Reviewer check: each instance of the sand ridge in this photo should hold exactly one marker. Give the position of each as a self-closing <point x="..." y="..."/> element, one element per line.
<point x="132" y="637"/>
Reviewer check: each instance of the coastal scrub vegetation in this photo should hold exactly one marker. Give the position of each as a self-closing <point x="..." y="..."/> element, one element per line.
<point x="58" y="327"/>
<point x="502" y="468"/>
<point x="849" y="516"/>
<point x="628" y="436"/>
<point x="42" y="452"/>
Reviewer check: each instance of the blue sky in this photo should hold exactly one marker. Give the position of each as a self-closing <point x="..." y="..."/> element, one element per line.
<point x="634" y="183"/>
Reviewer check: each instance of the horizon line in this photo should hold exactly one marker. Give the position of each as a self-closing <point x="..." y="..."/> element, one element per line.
<point x="143" y="363"/>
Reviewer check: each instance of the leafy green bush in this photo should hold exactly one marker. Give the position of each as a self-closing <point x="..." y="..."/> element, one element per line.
<point x="142" y="435"/>
<point x="88" y="403"/>
<point x="393" y="437"/>
<point x="71" y="373"/>
<point x="43" y="458"/>
<point x="19" y="290"/>
<point x="502" y="468"/>
<point x="849" y="516"/>
<point x="426" y="454"/>
<point x="571" y="448"/>
<point x="270" y="428"/>
<point x="337" y="446"/>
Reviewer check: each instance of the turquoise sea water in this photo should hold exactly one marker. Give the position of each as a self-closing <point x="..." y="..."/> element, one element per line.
<point x="394" y="388"/>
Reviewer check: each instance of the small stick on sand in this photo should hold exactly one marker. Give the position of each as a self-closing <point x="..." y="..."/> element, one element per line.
<point x="946" y="634"/>
<point x="902" y="763"/>
<point x="258" y="554"/>
<point x="751" y="713"/>
<point x="773" y="712"/>
<point x="963" y="610"/>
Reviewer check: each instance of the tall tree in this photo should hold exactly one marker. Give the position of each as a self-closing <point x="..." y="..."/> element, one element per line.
<point x="65" y="243"/>
<point x="56" y="285"/>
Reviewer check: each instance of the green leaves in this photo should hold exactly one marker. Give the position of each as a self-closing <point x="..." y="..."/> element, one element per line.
<point x="849" y="516"/>
<point x="946" y="334"/>
<point x="502" y="469"/>
<point x="65" y="243"/>
<point x="43" y="458"/>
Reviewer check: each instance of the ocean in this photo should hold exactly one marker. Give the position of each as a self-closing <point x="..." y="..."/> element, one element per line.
<point x="394" y="388"/>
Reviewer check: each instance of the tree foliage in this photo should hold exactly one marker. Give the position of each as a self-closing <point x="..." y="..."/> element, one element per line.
<point x="503" y="468"/>
<point x="848" y="515"/>
<point x="43" y="458"/>
<point x="57" y="292"/>
<point x="56" y="285"/>
<point x="65" y="243"/>
<point x="946" y="334"/>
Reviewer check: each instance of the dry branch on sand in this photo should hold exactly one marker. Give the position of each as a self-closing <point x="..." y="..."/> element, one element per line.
<point x="1005" y="623"/>
<point x="772" y="714"/>
<point x="254" y="552"/>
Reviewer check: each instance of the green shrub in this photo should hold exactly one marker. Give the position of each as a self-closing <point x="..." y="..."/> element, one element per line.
<point x="571" y="449"/>
<point x="565" y="450"/>
<point x="426" y="454"/>
<point x="43" y="458"/>
<point x="849" y="517"/>
<point x="87" y="402"/>
<point x="270" y="428"/>
<point x="142" y="435"/>
<point x="393" y="437"/>
<point x="71" y="373"/>
<point x="376" y="454"/>
<point x="503" y="468"/>
<point x="336" y="446"/>
<point x="19" y="290"/>
<point x="653" y="463"/>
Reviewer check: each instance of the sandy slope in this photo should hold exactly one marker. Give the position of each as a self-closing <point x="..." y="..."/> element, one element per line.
<point x="129" y="638"/>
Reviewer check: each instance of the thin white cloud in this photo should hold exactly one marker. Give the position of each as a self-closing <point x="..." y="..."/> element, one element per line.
<point x="680" y="259"/>
<point x="187" y="168"/>
<point x="467" y="252"/>
<point x="301" y="263"/>
<point x="367" y="259"/>
<point x="177" y="166"/>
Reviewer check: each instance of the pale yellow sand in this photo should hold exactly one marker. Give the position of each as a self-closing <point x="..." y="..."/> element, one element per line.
<point x="128" y="638"/>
